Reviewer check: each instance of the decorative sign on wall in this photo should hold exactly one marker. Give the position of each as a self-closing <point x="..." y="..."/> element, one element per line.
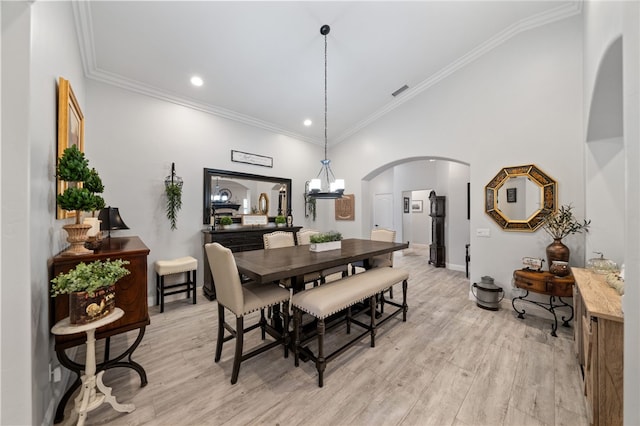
<point x="346" y="207"/>
<point x="255" y="159"/>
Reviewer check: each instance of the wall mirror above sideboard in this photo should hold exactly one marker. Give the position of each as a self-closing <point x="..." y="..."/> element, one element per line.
<point x="235" y="194"/>
<point x="518" y="198"/>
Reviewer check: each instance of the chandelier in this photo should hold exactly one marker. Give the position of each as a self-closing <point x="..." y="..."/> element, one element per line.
<point x="325" y="185"/>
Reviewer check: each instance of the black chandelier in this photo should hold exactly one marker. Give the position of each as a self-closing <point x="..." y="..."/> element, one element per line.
<point x="325" y="185"/>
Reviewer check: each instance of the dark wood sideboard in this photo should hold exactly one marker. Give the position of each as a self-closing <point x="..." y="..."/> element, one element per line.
<point x="235" y="239"/>
<point x="131" y="297"/>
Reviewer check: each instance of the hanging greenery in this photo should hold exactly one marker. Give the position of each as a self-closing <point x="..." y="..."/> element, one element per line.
<point x="173" y="190"/>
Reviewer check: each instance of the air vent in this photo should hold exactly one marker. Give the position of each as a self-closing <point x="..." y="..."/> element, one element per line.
<point x="400" y="90"/>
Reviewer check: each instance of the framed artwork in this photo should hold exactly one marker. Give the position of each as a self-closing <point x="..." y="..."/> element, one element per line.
<point x="346" y="207"/>
<point x="248" y="158"/>
<point x="512" y="195"/>
<point x="70" y="132"/>
<point x="406" y="204"/>
<point x="416" y="206"/>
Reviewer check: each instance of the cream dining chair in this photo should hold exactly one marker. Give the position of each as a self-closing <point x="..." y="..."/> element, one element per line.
<point x="279" y="239"/>
<point x="242" y="299"/>
<point x="379" y="234"/>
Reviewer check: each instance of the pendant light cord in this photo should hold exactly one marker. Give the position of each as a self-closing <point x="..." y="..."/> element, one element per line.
<point x="325" y="96"/>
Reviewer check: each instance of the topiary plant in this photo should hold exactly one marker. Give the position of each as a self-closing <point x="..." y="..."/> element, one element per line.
<point x="73" y="167"/>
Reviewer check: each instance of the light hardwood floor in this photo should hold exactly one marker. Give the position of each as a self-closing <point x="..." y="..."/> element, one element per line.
<point x="451" y="363"/>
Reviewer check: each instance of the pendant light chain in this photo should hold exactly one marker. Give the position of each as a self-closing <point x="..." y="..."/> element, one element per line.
<point x="325" y="97"/>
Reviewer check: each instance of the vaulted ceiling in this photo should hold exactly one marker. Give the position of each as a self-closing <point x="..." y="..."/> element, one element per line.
<point x="262" y="62"/>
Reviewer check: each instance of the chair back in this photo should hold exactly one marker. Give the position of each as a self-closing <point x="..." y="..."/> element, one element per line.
<point x="304" y="236"/>
<point x="386" y="235"/>
<point x="225" y="277"/>
<point x="278" y="239"/>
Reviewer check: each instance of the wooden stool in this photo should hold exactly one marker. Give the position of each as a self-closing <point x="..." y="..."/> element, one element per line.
<point x="186" y="264"/>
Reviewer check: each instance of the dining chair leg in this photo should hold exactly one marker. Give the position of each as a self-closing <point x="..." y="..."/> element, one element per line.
<point x="263" y="323"/>
<point x="285" y="330"/>
<point x="220" y="332"/>
<point x="321" y="362"/>
<point x="237" y="358"/>
<point x="297" y="320"/>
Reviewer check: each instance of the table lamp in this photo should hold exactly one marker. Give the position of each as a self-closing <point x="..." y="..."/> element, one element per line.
<point x="111" y="220"/>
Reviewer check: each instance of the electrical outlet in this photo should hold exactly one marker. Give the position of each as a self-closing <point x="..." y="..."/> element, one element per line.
<point x="483" y="232"/>
<point x="55" y="373"/>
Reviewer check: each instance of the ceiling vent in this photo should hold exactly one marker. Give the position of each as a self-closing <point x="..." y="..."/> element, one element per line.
<point x="400" y="90"/>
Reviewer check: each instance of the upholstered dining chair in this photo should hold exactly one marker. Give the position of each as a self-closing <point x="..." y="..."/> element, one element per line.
<point x="303" y="237"/>
<point x="378" y="234"/>
<point x="279" y="239"/>
<point x="242" y="299"/>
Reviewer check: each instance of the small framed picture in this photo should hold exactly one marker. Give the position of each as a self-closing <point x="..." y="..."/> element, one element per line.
<point x="416" y="206"/>
<point x="512" y="195"/>
<point x="406" y="204"/>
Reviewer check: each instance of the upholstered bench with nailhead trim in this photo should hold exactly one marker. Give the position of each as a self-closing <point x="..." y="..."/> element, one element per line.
<point x="328" y="299"/>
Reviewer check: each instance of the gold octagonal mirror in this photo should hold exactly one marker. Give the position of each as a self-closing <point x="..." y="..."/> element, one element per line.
<point x="518" y="198"/>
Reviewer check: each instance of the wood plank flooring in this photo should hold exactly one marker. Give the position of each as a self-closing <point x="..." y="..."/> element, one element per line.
<point x="451" y="363"/>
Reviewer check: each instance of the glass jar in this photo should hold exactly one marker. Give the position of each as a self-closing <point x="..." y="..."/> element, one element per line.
<point x="601" y="265"/>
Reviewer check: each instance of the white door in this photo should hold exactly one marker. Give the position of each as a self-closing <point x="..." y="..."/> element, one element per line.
<point x="383" y="211"/>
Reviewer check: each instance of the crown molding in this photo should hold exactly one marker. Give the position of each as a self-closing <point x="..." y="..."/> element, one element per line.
<point x="84" y="31"/>
<point x="552" y="15"/>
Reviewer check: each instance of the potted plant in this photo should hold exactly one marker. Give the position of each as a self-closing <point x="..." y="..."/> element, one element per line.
<point x="280" y="221"/>
<point x="331" y="240"/>
<point x="173" y="190"/>
<point x="95" y="187"/>
<point x="225" y="221"/>
<point x="91" y="288"/>
<point x="73" y="168"/>
<point x="558" y="225"/>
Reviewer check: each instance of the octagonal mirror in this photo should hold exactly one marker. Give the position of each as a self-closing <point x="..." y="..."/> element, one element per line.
<point x="518" y="198"/>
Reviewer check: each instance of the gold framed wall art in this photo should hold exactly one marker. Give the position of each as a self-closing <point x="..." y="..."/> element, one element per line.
<point x="70" y="132"/>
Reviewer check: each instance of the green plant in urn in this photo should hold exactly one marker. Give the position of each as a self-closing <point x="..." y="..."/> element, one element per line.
<point x="559" y="225"/>
<point x="91" y="288"/>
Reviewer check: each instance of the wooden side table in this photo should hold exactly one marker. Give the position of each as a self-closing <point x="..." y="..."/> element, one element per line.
<point x="544" y="282"/>
<point x="89" y="399"/>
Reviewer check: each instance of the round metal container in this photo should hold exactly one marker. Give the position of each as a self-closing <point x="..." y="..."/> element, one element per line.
<point x="487" y="294"/>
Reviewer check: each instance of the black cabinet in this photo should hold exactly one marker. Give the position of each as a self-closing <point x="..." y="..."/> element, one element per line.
<point x="235" y="239"/>
<point x="437" y="213"/>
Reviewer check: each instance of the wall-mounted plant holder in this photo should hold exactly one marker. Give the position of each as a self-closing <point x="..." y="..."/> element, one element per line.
<point x="309" y="203"/>
<point x="173" y="190"/>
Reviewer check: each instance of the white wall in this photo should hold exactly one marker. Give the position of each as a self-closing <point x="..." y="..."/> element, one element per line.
<point x="519" y="104"/>
<point x="132" y="140"/>
<point x="604" y="23"/>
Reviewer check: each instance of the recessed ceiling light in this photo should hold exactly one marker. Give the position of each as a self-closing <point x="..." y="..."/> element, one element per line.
<point x="308" y="122"/>
<point x="196" y="81"/>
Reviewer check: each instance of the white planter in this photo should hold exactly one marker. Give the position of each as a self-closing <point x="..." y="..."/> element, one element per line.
<point x="331" y="245"/>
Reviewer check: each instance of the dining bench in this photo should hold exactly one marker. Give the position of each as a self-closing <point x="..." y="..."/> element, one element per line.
<point x="340" y="295"/>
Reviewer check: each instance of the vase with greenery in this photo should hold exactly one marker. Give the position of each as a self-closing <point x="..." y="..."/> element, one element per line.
<point x="73" y="168"/>
<point x="173" y="191"/>
<point x="280" y="220"/>
<point x="559" y="225"/>
<point x="91" y="288"/>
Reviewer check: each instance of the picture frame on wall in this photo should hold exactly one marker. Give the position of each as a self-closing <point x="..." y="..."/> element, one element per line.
<point x="406" y="204"/>
<point x="416" y="206"/>
<point x="512" y="195"/>
<point x="70" y="132"/>
<point x="345" y="207"/>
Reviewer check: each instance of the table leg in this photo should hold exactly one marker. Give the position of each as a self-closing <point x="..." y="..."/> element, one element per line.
<point x="77" y="368"/>
<point x="110" y="399"/>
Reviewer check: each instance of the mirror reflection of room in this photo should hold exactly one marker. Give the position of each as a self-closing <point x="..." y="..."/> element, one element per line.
<point x="519" y="198"/>
<point x="235" y="197"/>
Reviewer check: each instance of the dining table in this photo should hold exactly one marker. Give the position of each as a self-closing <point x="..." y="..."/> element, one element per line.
<point x="272" y="265"/>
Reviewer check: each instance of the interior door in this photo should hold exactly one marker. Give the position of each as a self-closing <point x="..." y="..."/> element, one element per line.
<point x="383" y="211"/>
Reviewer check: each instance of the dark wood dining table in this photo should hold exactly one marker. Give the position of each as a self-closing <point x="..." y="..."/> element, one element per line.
<point x="294" y="262"/>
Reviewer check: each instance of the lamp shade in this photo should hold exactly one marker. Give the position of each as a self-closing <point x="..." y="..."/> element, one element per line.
<point x="111" y="220"/>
